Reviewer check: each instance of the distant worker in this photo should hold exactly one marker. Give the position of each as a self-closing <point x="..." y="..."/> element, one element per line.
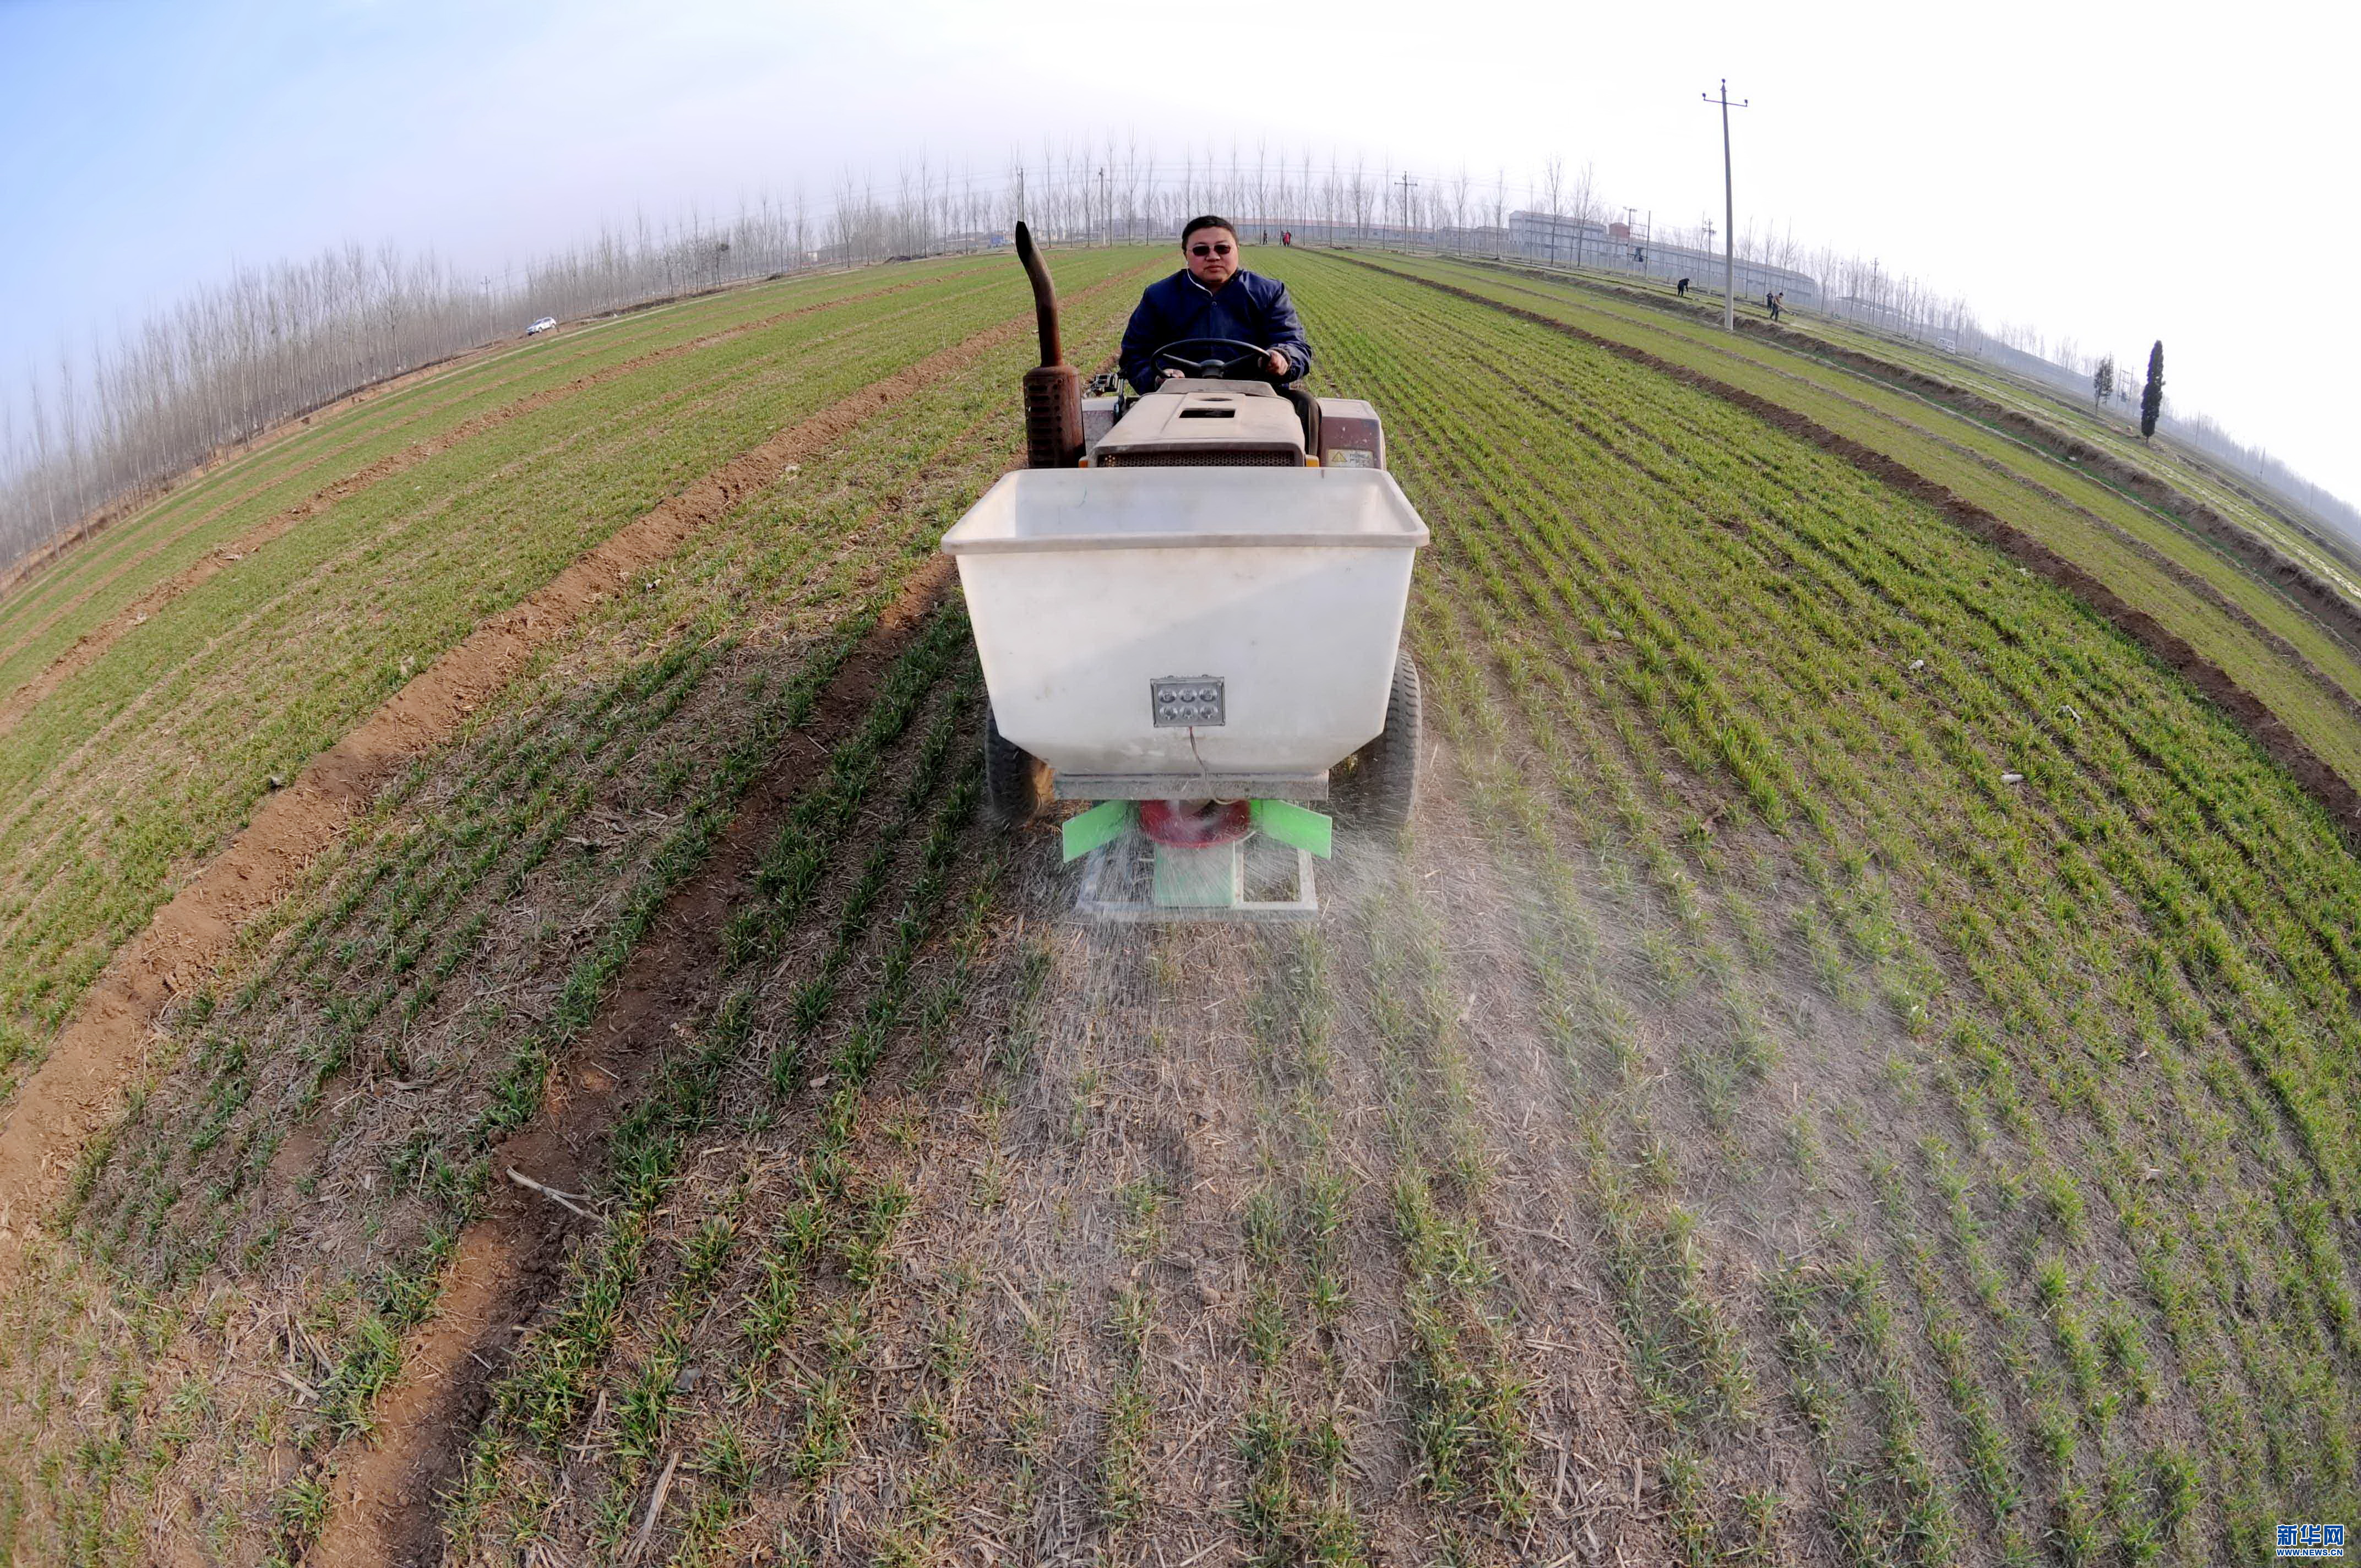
<point x="1212" y="297"/>
<point x="1682" y="288"/>
<point x="1286" y="238"/>
<point x="1771" y="302"/>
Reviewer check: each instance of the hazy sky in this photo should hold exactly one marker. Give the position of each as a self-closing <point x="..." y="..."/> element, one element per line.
<point x="2116" y="174"/>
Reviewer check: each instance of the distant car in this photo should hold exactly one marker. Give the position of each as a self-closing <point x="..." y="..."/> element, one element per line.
<point x="546" y="323"/>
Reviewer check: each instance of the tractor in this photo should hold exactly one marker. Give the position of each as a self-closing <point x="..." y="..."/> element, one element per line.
<point x="1187" y="607"/>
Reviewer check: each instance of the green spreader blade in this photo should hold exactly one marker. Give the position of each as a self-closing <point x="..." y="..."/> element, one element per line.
<point x="1101" y="823"/>
<point x="1297" y="826"/>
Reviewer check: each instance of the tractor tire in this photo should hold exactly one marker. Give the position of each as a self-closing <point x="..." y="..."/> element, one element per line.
<point x="1375" y="790"/>
<point x="1012" y="789"/>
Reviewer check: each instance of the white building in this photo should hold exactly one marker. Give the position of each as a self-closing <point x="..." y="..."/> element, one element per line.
<point x="1616" y="248"/>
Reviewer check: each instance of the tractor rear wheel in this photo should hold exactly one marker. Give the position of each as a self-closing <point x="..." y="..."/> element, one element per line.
<point x="1012" y="777"/>
<point x="1377" y="787"/>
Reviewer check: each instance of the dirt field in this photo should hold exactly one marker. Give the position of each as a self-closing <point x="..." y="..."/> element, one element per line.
<point x="1853" y="1062"/>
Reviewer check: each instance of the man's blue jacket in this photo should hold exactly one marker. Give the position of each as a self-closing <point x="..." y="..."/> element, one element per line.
<point x="1249" y="307"/>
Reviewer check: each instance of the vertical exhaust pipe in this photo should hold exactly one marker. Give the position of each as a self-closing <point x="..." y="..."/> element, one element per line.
<point x="1053" y="392"/>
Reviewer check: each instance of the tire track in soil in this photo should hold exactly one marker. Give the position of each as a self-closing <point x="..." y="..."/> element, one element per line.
<point x="78" y="1088"/>
<point x="1538" y="1211"/>
<point x="2335" y="794"/>
<point x="511" y="1256"/>
<point x="93" y="644"/>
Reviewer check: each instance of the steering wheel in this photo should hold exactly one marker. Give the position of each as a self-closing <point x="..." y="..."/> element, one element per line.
<point x="1242" y="366"/>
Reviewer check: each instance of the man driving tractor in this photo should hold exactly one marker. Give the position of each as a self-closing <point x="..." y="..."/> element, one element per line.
<point x="1212" y="298"/>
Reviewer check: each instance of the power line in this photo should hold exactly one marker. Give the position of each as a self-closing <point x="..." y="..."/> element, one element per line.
<point x="1729" y="212"/>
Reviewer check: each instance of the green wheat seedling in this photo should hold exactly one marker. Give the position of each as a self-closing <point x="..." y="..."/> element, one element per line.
<point x="1468" y="1416"/>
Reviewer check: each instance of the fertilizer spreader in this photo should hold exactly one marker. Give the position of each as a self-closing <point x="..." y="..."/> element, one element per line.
<point x="1189" y="618"/>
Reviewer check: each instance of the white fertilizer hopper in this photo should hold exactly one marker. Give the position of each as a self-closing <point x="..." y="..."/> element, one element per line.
<point x="1194" y="632"/>
<point x="1141" y="628"/>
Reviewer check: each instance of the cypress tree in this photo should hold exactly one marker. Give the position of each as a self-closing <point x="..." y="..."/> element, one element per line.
<point x="2102" y="380"/>
<point x="2152" y="395"/>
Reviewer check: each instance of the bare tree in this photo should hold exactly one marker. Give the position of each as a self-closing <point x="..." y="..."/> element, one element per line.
<point x="1581" y="203"/>
<point x="1553" y="192"/>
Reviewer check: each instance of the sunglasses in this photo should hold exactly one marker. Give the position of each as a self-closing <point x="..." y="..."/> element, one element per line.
<point x="1209" y="250"/>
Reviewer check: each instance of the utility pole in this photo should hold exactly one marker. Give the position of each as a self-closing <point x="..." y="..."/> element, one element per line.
<point x="1729" y="212"/>
<point x="1405" y="220"/>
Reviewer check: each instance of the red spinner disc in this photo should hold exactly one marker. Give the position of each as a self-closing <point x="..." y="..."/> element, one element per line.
<point x="1195" y="824"/>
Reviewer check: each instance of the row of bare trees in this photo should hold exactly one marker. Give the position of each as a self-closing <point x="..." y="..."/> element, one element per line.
<point x="2202" y="432"/>
<point x="94" y="431"/>
<point x="222" y="363"/>
<point x="234" y="359"/>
